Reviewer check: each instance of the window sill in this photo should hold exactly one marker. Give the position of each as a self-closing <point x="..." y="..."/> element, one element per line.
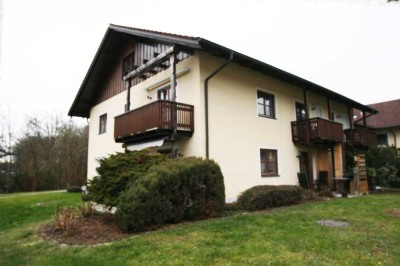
<point x="264" y="116"/>
<point x="264" y="175"/>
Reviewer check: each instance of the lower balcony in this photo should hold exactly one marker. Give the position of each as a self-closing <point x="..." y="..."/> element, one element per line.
<point x="361" y="137"/>
<point x="317" y="131"/>
<point x="155" y="120"/>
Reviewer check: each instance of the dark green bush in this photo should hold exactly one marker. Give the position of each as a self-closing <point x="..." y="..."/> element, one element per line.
<point x="86" y="198"/>
<point x="74" y="190"/>
<point x="264" y="197"/>
<point x="116" y="171"/>
<point x="383" y="166"/>
<point x="175" y="190"/>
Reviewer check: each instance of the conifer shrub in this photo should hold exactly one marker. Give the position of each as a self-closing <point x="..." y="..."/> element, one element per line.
<point x="264" y="197"/>
<point x="117" y="171"/>
<point x="175" y="190"/>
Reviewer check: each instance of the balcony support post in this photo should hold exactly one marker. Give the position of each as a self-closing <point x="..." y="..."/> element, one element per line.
<point x="306" y="103"/>
<point x="174" y="121"/>
<point x="330" y="116"/>
<point x="364" y="118"/>
<point x="351" y="116"/>
<point x="128" y="96"/>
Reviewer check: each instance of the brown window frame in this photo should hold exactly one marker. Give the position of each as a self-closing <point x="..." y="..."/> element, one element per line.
<point x="268" y="161"/>
<point x="265" y="106"/>
<point x="103" y="124"/>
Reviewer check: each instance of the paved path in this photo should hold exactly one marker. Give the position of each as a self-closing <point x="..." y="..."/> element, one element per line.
<point x="30" y="194"/>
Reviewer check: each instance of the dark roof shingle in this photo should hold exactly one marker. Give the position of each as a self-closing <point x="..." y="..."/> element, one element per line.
<point x="388" y="116"/>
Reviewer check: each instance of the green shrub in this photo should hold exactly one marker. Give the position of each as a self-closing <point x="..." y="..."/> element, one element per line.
<point x="264" y="197"/>
<point x="383" y="166"/>
<point x="74" y="190"/>
<point x="175" y="190"/>
<point x="117" y="171"/>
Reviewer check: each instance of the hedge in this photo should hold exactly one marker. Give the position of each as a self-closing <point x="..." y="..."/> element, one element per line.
<point x="175" y="190"/>
<point x="117" y="171"/>
<point x="264" y="197"/>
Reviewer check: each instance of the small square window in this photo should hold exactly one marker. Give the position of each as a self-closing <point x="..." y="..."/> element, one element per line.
<point x="269" y="162"/>
<point x="382" y="139"/>
<point x="265" y="104"/>
<point x="103" y="124"/>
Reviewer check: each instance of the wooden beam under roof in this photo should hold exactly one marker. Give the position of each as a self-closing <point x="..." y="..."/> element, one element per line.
<point x="150" y="64"/>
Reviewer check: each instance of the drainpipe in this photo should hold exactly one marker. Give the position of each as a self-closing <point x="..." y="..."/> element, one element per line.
<point x="206" y="99"/>
<point x="394" y="138"/>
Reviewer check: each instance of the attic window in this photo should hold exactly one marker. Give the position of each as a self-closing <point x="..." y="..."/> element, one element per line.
<point x="128" y="64"/>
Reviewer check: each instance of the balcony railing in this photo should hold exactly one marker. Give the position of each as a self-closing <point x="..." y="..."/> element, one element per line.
<point x="361" y="137"/>
<point x="154" y="119"/>
<point x="317" y="130"/>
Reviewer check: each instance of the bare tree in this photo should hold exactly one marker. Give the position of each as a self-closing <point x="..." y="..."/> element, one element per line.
<point x="52" y="154"/>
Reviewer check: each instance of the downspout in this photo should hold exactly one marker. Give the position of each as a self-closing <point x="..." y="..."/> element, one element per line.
<point x="206" y="99"/>
<point x="394" y="137"/>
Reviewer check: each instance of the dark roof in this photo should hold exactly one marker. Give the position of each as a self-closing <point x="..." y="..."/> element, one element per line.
<point x="112" y="39"/>
<point x="388" y="116"/>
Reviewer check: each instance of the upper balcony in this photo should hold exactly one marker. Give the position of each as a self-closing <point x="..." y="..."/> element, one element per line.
<point x="317" y="131"/>
<point x="154" y="120"/>
<point x="361" y="137"/>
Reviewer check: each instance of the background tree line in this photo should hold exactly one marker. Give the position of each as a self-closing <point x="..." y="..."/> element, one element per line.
<point x="49" y="153"/>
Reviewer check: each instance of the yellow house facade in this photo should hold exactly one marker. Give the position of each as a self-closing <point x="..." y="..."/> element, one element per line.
<point x="191" y="97"/>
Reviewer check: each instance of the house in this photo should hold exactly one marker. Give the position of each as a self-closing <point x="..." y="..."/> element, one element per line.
<point x="386" y="123"/>
<point x="191" y="97"/>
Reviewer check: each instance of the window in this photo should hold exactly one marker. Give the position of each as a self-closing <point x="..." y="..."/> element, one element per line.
<point x="382" y="139"/>
<point x="316" y="111"/>
<point x="103" y="124"/>
<point x="265" y="104"/>
<point x="128" y="64"/>
<point x="300" y="111"/>
<point x="269" y="162"/>
<point x="164" y="93"/>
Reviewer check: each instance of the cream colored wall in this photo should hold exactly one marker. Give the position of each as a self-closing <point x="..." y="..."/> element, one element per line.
<point x="236" y="131"/>
<point x="102" y="145"/>
<point x="393" y="135"/>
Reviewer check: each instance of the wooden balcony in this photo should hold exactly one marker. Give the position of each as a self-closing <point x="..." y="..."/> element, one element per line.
<point x="154" y="120"/>
<point x="317" y="131"/>
<point x="361" y="137"/>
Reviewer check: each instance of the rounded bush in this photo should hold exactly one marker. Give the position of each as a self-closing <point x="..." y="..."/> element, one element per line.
<point x="175" y="190"/>
<point x="116" y="171"/>
<point x="264" y="197"/>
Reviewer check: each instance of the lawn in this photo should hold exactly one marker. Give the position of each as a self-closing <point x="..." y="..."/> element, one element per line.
<point x="284" y="236"/>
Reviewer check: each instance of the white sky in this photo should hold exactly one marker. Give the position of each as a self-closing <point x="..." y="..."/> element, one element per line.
<point x="351" y="47"/>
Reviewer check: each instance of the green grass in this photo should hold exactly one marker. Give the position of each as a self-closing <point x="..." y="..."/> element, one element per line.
<point x="285" y="236"/>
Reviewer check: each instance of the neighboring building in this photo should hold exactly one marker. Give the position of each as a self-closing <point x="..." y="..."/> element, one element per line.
<point x="262" y="125"/>
<point x="386" y="123"/>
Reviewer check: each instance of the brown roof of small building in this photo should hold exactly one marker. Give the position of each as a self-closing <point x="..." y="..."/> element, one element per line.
<point x="388" y="116"/>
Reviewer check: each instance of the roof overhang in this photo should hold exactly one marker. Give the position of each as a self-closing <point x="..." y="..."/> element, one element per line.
<point x="115" y="35"/>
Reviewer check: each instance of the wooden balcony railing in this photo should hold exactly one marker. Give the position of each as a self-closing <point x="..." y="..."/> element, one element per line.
<point x="155" y="118"/>
<point x="361" y="137"/>
<point x="317" y="130"/>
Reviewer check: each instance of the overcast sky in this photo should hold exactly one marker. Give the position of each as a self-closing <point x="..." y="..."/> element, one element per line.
<point x="351" y="47"/>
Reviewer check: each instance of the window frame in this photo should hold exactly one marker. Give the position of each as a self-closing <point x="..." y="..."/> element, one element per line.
<point x="103" y="124"/>
<point x="127" y="68"/>
<point x="379" y="137"/>
<point x="266" y="162"/>
<point x="273" y="106"/>
<point x="296" y="104"/>
<point x="166" y="89"/>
